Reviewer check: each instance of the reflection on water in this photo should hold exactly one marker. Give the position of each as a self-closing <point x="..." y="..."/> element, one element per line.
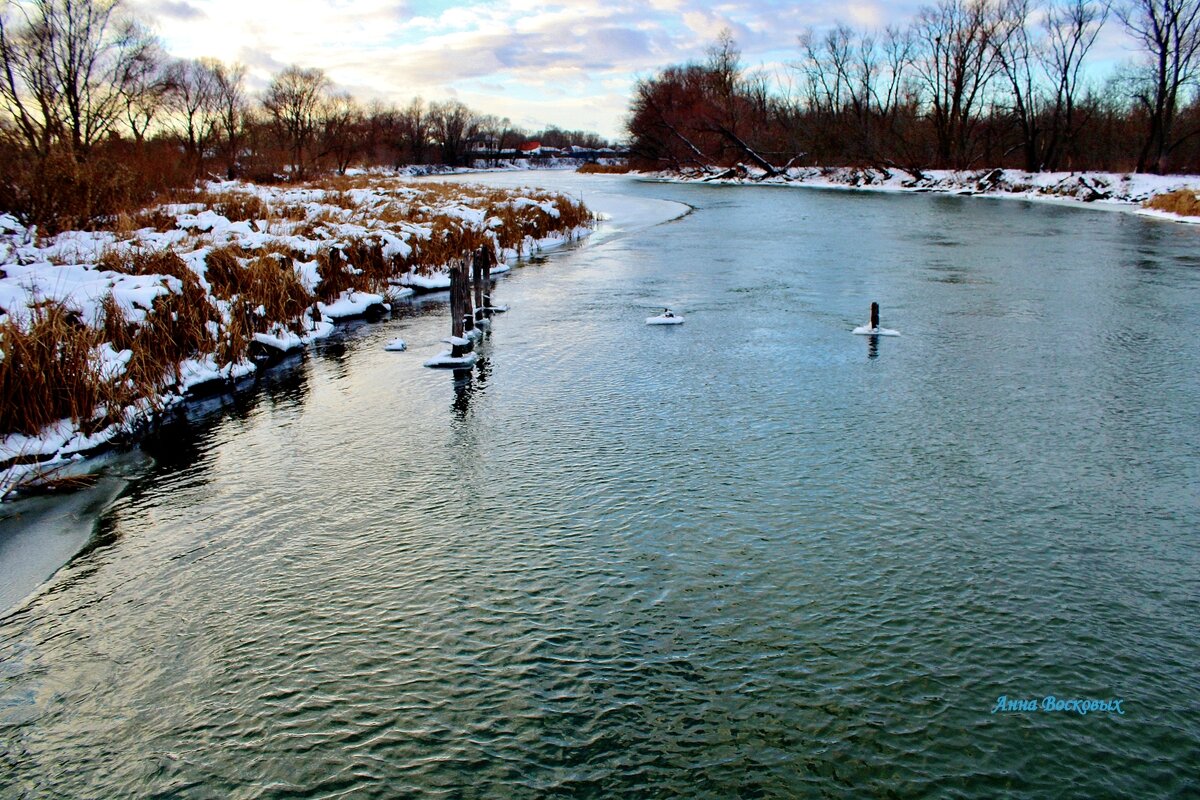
<point x="464" y="388"/>
<point x="730" y="559"/>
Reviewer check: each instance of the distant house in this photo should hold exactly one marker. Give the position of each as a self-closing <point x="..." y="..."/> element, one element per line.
<point x="530" y="148"/>
<point x="485" y="144"/>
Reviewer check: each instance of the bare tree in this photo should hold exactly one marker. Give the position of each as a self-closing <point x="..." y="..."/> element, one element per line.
<point x="1169" y="32"/>
<point x="824" y="67"/>
<point x="1071" y="30"/>
<point x="1019" y="57"/>
<point x="667" y="120"/>
<point x="415" y="130"/>
<point x="230" y="102"/>
<point x="956" y="64"/>
<point x="453" y="125"/>
<point x="843" y="69"/>
<point x="899" y="50"/>
<point x="342" y="127"/>
<point x="725" y="82"/>
<point x="294" y="101"/>
<point x="144" y="88"/>
<point x="192" y="96"/>
<point x="66" y="69"/>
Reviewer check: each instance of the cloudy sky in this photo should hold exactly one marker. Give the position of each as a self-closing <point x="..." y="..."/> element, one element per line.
<point x="564" y="62"/>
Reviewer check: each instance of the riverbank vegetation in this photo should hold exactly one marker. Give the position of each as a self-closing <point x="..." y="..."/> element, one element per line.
<point x="967" y="84"/>
<point x="100" y="329"/>
<point x="605" y="169"/>
<point x="1184" y="203"/>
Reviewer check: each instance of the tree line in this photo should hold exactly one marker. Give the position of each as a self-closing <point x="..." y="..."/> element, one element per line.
<point x="98" y="118"/>
<point x="967" y="83"/>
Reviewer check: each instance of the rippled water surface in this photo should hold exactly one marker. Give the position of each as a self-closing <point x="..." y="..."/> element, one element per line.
<point x="749" y="556"/>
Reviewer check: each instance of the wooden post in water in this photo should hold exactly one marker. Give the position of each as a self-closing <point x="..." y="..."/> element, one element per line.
<point x="874" y="316"/>
<point x="456" y="325"/>
<point x="477" y="281"/>
<point x="468" y="313"/>
<point x="458" y="291"/>
<point x="487" y="256"/>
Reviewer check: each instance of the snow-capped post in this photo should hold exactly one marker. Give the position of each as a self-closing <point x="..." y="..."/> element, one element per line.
<point x="875" y="316"/>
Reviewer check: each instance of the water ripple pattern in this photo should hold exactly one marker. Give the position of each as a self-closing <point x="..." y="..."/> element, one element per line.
<point x="749" y="556"/>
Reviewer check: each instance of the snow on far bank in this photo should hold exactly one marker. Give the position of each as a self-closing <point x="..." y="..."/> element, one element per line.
<point x="1117" y="191"/>
<point x="486" y="165"/>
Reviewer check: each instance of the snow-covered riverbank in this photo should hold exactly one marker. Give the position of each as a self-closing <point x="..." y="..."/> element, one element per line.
<point x="1117" y="191"/>
<point x="101" y="330"/>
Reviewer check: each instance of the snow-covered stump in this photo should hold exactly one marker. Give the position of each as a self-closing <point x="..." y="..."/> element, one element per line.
<point x="872" y="328"/>
<point x="458" y="357"/>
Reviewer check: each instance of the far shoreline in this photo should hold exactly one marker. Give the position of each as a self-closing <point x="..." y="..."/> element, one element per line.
<point x="1107" y="191"/>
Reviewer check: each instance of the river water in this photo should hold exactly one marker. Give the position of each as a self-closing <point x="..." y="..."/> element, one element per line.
<point x="750" y="556"/>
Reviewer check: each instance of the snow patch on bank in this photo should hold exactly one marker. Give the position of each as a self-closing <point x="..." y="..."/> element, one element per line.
<point x="1117" y="191"/>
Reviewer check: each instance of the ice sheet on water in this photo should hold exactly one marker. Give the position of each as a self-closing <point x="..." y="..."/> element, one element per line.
<point x="867" y="330"/>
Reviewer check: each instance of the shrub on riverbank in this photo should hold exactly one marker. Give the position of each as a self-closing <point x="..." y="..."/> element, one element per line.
<point x="48" y="370"/>
<point x="1185" y="202"/>
<point x="605" y="169"/>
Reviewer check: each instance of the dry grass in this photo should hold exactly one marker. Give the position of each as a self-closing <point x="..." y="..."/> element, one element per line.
<point x="532" y="221"/>
<point x="176" y="327"/>
<point x="337" y="275"/>
<point x="265" y="281"/>
<point x="293" y="212"/>
<point x="155" y="218"/>
<point x="48" y="373"/>
<point x="366" y="255"/>
<point x="261" y="290"/>
<point x="237" y="206"/>
<point x="605" y="169"/>
<point x="1185" y="202"/>
<point x="340" y="200"/>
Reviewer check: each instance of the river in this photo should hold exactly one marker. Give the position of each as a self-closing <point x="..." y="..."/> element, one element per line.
<point x="752" y="555"/>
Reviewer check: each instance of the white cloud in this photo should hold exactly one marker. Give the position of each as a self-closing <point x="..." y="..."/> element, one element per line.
<point x="559" y="60"/>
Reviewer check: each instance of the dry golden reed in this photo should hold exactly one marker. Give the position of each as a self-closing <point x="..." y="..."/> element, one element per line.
<point x="605" y="169"/>
<point x="1184" y="202"/>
